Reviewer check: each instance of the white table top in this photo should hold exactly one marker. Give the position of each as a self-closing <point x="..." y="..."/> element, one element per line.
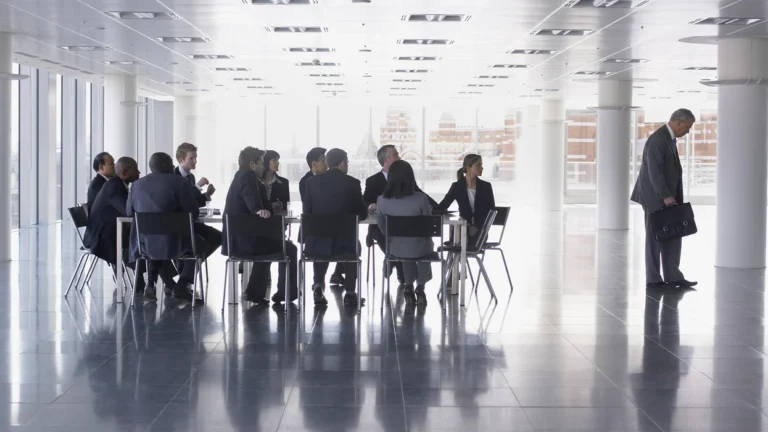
<point x="448" y="219"/>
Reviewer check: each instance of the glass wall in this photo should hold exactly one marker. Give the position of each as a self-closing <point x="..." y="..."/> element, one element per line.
<point x="581" y="169"/>
<point x="15" y="145"/>
<point x="59" y="102"/>
<point x="703" y="155"/>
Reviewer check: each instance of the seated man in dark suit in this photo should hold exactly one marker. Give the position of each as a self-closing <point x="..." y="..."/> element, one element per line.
<point x="244" y="197"/>
<point x="164" y="192"/>
<point x="317" y="165"/>
<point x="101" y="232"/>
<point x="186" y="155"/>
<point x="104" y="165"/>
<point x="334" y="193"/>
<point x="374" y="187"/>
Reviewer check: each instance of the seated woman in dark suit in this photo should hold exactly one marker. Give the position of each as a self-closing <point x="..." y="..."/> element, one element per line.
<point x="400" y="198"/>
<point x="474" y="196"/>
<point x="278" y="191"/>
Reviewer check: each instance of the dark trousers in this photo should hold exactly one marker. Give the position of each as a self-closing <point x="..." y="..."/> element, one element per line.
<point x="257" y="283"/>
<point x="164" y="269"/>
<point x="375" y="233"/>
<point x="661" y="257"/>
<point x="350" y="274"/>
<point x="208" y="239"/>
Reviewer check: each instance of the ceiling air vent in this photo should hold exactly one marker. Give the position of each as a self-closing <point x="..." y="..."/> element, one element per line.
<point x="688" y="91"/>
<point x="425" y="42"/>
<point x="401" y="94"/>
<point x="297" y="29"/>
<point x="121" y="62"/>
<point x="126" y="15"/>
<point x="309" y="50"/>
<point x="51" y="62"/>
<point x="181" y="39"/>
<point x="592" y="73"/>
<point x="403" y="88"/>
<point x="470" y="92"/>
<point x="417" y="58"/>
<point x="624" y="61"/>
<point x="701" y="68"/>
<point x="279" y="2"/>
<point x="411" y="71"/>
<point x="616" y="4"/>
<point x="728" y="21"/>
<point x="210" y="56"/>
<point x="86" y="72"/>
<point x="246" y="79"/>
<point x="532" y="52"/>
<point x="325" y="75"/>
<point x="70" y="68"/>
<point x="492" y="77"/>
<point x="480" y="85"/>
<point x="177" y="83"/>
<point x="334" y="91"/>
<point x="435" y="18"/>
<point x="561" y="32"/>
<point x="329" y="84"/>
<point x="318" y="64"/>
<point x="232" y="69"/>
<point x="400" y="80"/>
<point x="84" y="48"/>
<point x="546" y="90"/>
<point x="510" y="66"/>
<point x="261" y="87"/>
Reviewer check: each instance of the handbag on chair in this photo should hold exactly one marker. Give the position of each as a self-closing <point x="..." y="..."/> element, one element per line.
<point x="673" y="222"/>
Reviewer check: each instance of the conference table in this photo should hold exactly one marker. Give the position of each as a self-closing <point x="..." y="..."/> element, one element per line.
<point x="459" y="226"/>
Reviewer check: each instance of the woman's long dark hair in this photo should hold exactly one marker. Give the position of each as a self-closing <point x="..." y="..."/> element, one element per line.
<point x="269" y="156"/>
<point x="400" y="180"/>
<point x="469" y="160"/>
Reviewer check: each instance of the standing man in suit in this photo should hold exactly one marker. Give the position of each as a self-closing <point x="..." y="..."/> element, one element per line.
<point x="660" y="185"/>
<point x="104" y="165"/>
<point x="374" y="187"/>
<point x="186" y="156"/>
<point x="109" y="205"/>
<point x="334" y="193"/>
<point x="164" y="192"/>
<point x="244" y="197"/>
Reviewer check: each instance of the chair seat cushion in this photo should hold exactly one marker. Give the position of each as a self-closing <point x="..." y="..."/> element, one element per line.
<point x="492" y="245"/>
<point x="429" y="258"/>
<point x="456" y="249"/>
<point x="259" y="258"/>
<point x="331" y="258"/>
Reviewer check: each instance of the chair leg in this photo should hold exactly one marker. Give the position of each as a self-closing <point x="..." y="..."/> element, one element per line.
<point x="359" y="287"/>
<point x="506" y="268"/>
<point x="194" y="284"/>
<point x="471" y="276"/>
<point x="302" y="291"/>
<point x="373" y="267"/>
<point x="135" y="281"/>
<point x="200" y="280"/>
<point x="368" y="266"/>
<point x="76" y="273"/>
<point x="287" y="285"/>
<point x="487" y="279"/>
<point x="224" y="294"/>
<point x="90" y="273"/>
<point x="206" y="271"/>
<point x="83" y="272"/>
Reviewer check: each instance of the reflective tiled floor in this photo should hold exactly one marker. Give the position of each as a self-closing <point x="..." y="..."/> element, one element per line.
<point x="580" y="346"/>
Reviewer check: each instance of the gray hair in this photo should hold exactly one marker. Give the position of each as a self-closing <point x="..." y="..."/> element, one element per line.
<point x="381" y="155"/>
<point x="683" y="115"/>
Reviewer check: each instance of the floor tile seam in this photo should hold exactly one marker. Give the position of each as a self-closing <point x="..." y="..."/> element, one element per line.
<point x="183" y="386"/>
<point x="502" y="374"/>
<point x="397" y="356"/>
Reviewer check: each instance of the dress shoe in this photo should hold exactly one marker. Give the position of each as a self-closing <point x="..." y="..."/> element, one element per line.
<point x="351" y="299"/>
<point x="150" y="293"/>
<point x="279" y="297"/>
<point x="656" y="285"/>
<point x="182" y="292"/>
<point x="400" y="275"/>
<point x="683" y="283"/>
<point x="337" y="279"/>
<point x="319" y="298"/>
<point x="408" y="294"/>
<point x="255" y="299"/>
<point x="421" y="296"/>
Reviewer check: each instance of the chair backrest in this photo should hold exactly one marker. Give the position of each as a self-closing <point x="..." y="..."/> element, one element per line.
<point x="340" y="226"/>
<point x="252" y="226"/>
<point x="413" y="226"/>
<point x="502" y="215"/>
<point x="167" y="224"/>
<point x="482" y="236"/>
<point x="79" y="216"/>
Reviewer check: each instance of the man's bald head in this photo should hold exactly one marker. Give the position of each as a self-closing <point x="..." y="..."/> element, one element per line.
<point x="127" y="169"/>
<point x="161" y="163"/>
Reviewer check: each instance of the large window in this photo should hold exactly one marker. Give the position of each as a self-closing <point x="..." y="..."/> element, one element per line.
<point x="581" y="167"/>
<point x="15" y="145"/>
<point x="59" y="102"/>
<point x="88" y="142"/>
<point x="292" y="131"/>
<point x="703" y="155"/>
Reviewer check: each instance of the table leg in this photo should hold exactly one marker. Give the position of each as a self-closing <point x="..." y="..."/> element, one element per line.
<point x="454" y="267"/>
<point x="119" y="266"/>
<point x="463" y="261"/>
<point x="247" y="267"/>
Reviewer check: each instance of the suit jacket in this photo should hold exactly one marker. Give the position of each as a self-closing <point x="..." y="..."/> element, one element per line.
<point x="414" y="205"/>
<point x="660" y="173"/>
<point x="97" y="183"/>
<point x="303" y="183"/>
<point x="333" y="193"/>
<point x="200" y="197"/>
<point x="280" y="191"/>
<point x="101" y="232"/>
<point x="244" y="197"/>
<point x="161" y="193"/>
<point x="484" y="201"/>
<point x="374" y="187"/>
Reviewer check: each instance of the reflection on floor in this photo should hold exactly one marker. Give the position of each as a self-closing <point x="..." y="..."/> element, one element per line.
<point x="580" y="345"/>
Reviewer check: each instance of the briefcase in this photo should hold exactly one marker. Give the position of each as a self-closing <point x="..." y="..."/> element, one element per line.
<point x="673" y="222"/>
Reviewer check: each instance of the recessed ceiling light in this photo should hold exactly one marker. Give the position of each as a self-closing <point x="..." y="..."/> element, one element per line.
<point x="69" y="67"/>
<point x="86" y="72"/>
<point x="616" y="4"/>
<point x="403" y="88"/>
<point x="231" y="69"/>
<point x="728" y="21"/>
<point x="334" y="91"/>
<point x="329" y="84"/>
<point x="470" y="92"/>
<point x="480" y="85"/>
<point x="361" y="1"/>
<point x="530" y="96"/>
<point x="561" y="32"/>
<point x="411" y="71"/>
<point x="546" y="90"/>
<point x="318" y="64"/>
<point x="401" y="94"/>
<point x="532" y="51"/>
<point x="592" y="73"/>
<point x="701" y="68"/>
<point x="297" y="29"/>
<point x="51" y="62"/>
<point x="260" y="87"/>
<point x="84" y="48"/>
<point x="510" y="66"/>
<point x="143" y="15"/>
<point x="325" y="75"/>
<point x="435" y="18"/>
<point x="689" y="91"/>
<point x="425" y="41"/>
<point x="400" y="80"/>
<point x="197" y="90"/>
<point x="181" y="39"/>
<point x="624" y="61"/>
<point x="417" y="58"/>
<point x="492" y="77"/>
<point x="279" y="2"/>
<point x="177" y="83"/>
<point x="309" y="50"/>
<point x="246" y="79"/>
<point x="210" y="56"/>
<point x="121" y="62"/>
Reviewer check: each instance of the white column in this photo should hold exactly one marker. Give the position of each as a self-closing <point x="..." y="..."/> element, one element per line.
<point x="613" y="150"/>
<point x="187" y="113"/>
<point x="527" y="159"/>
<point x="120" y="117"/>
<point x="6" y="49"/>
<point x="742" y="157"/>
<point x="46" y="148"/>
<point x="552" y="158"/>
